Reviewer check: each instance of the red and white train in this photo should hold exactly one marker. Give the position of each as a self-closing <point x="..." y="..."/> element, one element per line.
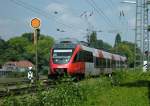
<point x="77" y="59"/>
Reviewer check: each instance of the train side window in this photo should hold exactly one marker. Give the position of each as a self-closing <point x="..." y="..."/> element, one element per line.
<point x="113" y="63"/>
<point x="98" y="62"/>
<point x="78" y="57"/>
<point x="75" y="58"/>
<point x="117" y="64"/>
<point x="101" y="62"/>
<point x="108" y="63"/>
<point x="88" y="56"/>
<point x="83" y="56"/>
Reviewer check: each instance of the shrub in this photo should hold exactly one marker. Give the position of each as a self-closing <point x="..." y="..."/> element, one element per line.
<point x="64" y="94"/>
<point x="119" y="76"/>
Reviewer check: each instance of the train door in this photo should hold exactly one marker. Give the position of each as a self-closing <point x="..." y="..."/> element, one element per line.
<point x="89" y="68"/>
<point x="89" y="65"/>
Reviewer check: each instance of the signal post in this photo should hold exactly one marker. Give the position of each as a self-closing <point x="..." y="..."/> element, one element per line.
<point x="35" y="24"/>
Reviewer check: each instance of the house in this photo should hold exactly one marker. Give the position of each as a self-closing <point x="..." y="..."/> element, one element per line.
<point x="20" y="66"/>
<point x="24" y="65"/>
<point x="10" y="66"/>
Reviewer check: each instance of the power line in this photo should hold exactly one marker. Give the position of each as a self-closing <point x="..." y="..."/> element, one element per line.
<point x="100" y="12"/>
<point x="111" y="4"/>
<point x="40" y="12"/>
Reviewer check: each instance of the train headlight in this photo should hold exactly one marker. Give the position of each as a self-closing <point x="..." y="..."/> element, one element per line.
<point x="66" y="60"/>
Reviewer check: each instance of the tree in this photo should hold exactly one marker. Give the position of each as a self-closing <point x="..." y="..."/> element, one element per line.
<point x="29" y="36"/>
<point x="18" y="42"/>
<point x="117" y="40"/>
<point x="93" y="39"/>
<point x="44" y="45"/>
<point x="3" y="46"/>
<point x="93" y="36"/>
<point x="99" y="44"/>
<point x="106" y="46"/>
<point x="22" y="48"/>
<point x="127" y="49"/>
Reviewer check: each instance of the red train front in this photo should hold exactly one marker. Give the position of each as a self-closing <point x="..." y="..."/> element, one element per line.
<point x="63" y="59"/>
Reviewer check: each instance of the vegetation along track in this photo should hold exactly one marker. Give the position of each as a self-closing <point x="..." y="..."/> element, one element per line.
<point x="25" y="88"/>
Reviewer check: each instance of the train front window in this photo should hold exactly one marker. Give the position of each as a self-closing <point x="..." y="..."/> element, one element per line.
<point x="61" y="56"/>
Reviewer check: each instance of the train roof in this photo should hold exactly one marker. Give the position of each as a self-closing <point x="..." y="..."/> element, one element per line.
<point x="67" y="40"/>
<point x="123" y="58"/>
<point x="116" y="57"/>
<point x="104" y="54"/>
<point x="96" y="52"/>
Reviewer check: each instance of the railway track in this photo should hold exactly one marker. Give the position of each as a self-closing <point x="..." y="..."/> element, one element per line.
<point x="25" y="89"/>
<point x="13" y="90"/>
<point x="16" y="86"/>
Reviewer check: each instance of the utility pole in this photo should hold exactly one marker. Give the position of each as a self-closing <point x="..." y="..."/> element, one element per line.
<point x="142" y="35"/>
<point x="138" y="59"/>
<point x="145" y="31"/>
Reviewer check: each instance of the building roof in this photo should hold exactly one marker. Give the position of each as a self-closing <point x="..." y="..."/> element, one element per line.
<point x="21" y="64"/>
<point x="24" y="64"/>
<point x="10" y="63"/>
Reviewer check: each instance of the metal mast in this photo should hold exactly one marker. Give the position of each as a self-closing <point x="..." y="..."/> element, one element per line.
<point x="138" y="33"/>
<point x="145" y="31"/>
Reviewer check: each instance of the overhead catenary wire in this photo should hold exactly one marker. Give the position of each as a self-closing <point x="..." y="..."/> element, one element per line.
<point x="42" y="13"/>
<point x="112" y="5"/>
<point x="124" y="21"/>
<point x="109" y="4"/>
<point x="99" y="9"/>
<point x="100" y="12"/>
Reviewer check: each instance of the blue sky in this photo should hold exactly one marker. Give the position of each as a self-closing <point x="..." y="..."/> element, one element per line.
<point x="15" y="19"/>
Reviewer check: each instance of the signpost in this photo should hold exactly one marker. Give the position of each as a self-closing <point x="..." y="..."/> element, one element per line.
<point x="36" y="23"/>
<point x="30" y="74"/>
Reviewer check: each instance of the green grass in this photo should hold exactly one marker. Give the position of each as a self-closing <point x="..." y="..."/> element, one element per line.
<point x="126" y="88"/>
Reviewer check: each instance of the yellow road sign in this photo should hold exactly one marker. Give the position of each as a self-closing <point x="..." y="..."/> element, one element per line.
<point x="35" y="22"/>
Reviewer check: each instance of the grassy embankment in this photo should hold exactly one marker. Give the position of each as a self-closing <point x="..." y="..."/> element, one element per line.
<point x="126" y="88"/>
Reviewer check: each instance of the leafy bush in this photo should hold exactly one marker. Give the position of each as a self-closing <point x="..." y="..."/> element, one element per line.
<point x="64" y="94"/>
<point x="118" y="77"/>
